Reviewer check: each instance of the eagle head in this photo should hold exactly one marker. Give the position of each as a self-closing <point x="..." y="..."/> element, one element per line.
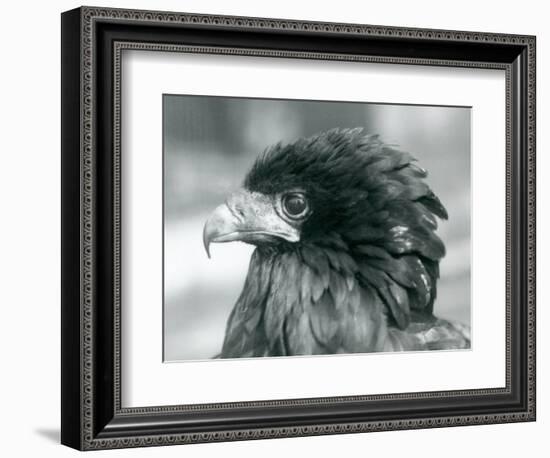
<point x="340" y="187"/>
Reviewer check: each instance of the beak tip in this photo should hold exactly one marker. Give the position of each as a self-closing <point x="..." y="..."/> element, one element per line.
<point x="206" y="241"/>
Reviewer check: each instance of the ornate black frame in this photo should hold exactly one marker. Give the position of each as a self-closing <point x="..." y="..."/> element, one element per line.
<point x="92" y="42"/>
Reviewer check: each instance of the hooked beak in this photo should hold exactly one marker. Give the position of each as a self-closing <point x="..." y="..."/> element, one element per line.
<point x="221" y="226"/>
<point x="248" y="217"/>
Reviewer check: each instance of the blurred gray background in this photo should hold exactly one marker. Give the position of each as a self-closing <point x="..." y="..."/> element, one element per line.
<point x="209" y="145"/>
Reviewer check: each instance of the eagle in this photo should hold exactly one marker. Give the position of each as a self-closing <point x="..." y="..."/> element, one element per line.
<point x="346" y="256"/>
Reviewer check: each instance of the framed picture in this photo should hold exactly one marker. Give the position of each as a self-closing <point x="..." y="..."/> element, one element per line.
<point x="276" y="228"/>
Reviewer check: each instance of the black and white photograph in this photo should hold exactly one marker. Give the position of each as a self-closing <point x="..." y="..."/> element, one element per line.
<point x="310" y="227"/>
<point x="280" y="223"/>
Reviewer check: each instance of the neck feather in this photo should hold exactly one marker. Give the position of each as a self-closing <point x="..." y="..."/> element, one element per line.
<point x="313" y="302"/>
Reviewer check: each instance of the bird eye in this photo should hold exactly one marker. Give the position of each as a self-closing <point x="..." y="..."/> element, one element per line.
<point x="295" y="205"/>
